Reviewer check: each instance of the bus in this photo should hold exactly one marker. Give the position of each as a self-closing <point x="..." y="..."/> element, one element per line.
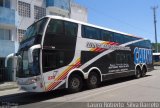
<point x="156" y="59"/>
<point x="58" y="53"/>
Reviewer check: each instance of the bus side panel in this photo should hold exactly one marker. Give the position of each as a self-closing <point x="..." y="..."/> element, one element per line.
<point x="109" y="64"/>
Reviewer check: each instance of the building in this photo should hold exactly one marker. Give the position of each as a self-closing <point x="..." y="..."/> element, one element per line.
<point x="17" y="15"/>
<point x="58" y="7"/>
<point x="8" y="33"/>
<point x="79" y="12"/>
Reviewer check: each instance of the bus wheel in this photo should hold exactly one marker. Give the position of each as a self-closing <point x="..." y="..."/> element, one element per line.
<point x="93" y="80"/>
<point x="143" y="72"/>
<point x="75" y="83"/>
<point x="138" y="73"/>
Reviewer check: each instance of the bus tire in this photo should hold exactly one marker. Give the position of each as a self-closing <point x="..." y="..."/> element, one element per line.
<point x="75" y="83"/>
<point x="93" y="80"/>
<point x="144" y="71"/>
<point x="138" y="73"/>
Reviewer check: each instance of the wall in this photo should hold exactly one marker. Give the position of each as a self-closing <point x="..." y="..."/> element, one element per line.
<point x="6" y="47"/>
<point x="79" y="12"/>
<point x="25" y="22"/>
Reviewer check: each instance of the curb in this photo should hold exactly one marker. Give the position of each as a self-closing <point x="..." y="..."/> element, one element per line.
<point x="8" y="86"/>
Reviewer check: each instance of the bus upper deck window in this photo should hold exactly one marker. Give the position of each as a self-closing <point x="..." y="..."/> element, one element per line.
<point x="71" y="29"/>
<point x="55" y="27"/>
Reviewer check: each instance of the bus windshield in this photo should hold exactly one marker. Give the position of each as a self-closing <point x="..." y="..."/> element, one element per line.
<point x="26" y="69"/>
<point x="35" y="29"/>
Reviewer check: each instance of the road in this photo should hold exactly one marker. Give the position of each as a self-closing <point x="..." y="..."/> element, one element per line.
<point x="120" y="90"/>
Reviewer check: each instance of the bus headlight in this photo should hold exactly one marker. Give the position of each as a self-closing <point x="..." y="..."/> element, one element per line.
<point x="32" y="80"/>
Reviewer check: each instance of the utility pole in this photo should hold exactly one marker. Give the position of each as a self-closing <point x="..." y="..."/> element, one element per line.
<point x="70" y="1"/>
<point x="155" y="26"/>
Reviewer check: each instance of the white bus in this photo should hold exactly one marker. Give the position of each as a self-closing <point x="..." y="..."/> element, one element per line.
<point x="61" y="53"/>
<point x="156" y="58"/>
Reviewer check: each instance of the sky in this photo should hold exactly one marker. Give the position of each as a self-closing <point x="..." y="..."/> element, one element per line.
<point x="129" y="16"/>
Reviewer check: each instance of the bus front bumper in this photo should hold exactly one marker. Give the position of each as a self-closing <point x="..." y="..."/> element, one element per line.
<point x="35" y="87"/>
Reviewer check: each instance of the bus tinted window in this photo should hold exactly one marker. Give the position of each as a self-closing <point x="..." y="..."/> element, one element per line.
<point x="122" y="58"/>
<point x="126" y="39"/>
<point x="90" y="32"/>
<point x="106" y="35"/>
<point x="118" y="38"/>
<point x="52" y="60"/>
<point x="148" y="44"/>
<point x="55" y="27"/>
<point x="71" y="29"/>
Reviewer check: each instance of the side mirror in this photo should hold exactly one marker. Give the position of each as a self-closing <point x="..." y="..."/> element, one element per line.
<point x="30" y="52"/>
<point x="8" y="57"/>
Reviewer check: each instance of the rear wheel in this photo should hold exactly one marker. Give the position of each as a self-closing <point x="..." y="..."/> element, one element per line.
<point x="75" y="83"/>
<point x="93" y="80"/>
<point x="138" y="73"/>
<point x="144" y="71"/>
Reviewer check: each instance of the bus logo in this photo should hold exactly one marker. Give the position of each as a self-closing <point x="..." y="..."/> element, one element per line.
<point x="142" y="55"/>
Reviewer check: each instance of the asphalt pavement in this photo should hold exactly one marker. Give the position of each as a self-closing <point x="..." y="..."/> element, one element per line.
<point x="119" y="90"/>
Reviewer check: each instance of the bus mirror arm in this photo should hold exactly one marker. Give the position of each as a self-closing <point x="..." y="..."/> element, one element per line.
<point x="8" y="57"/>
<point x="30" y="52"/>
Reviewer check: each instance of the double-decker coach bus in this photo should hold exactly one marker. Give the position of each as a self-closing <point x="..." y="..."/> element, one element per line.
<point x="61" y="53"/>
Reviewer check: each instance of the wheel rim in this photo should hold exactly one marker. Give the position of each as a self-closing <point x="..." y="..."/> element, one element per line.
<point x="75" y="83"/>
<point x="93" y="80"/>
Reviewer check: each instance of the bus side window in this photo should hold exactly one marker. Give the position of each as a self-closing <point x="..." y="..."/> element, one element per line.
<point x="53" y="60"/>
<point x="55" y="27"/>
<point x="91" y="33"/>
<point x="106" y="36"/>
<point x="71" y="29"/>
<point x="119" y="38"/>
<point x="122" y="58"/>
<point x="118" y="58"/>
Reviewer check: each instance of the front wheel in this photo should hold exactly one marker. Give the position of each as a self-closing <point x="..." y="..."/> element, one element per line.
<point x="75" y="83"/>
<point x="93" y="80"/>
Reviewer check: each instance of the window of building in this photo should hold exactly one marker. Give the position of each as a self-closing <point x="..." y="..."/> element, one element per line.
<point x="24" y="9"/>
<point x="90" y="32"/>
<point x="1" y="3"/>
<point x="71" y="29"/>
<point x="39" y="12"/>
<point x="21" y="34"/>
<point x="5" y="34"/>
<point x="5" y="3"/>
<point x="49" y="3"/>
<point x="63" y="4"/>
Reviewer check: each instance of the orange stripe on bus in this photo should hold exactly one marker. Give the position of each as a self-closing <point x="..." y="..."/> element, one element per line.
<point x="65" y="71"/>
<point x="62" y="78"/>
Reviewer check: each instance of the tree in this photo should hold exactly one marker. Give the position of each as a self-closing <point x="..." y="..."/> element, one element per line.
<point x="154" y="47"/>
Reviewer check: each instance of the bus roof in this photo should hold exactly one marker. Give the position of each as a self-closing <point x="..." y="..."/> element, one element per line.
<point x="156" y="53"/>
<point x="87" y="24"/>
